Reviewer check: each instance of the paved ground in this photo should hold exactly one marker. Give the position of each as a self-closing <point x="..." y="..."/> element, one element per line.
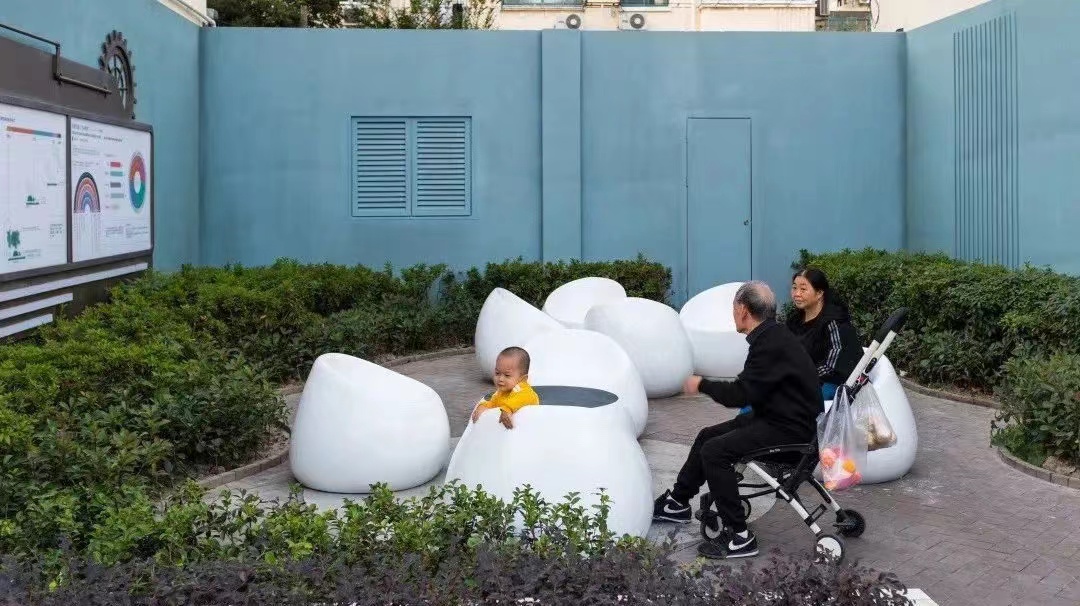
<point x="962" y="526"/>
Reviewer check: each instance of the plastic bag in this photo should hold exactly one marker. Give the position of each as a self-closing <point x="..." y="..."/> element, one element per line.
<point x="871" y="418"/>
<point x="841" y="444"/>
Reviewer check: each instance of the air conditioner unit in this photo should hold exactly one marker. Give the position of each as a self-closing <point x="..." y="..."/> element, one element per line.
<point x="571" y="21"/>
<point x="632" y="21"/>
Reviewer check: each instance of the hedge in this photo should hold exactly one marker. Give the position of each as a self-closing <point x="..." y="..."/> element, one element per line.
<point x="1013" y="332"/>
<point x="177" y="374"/>
<point x="453" y="546"/>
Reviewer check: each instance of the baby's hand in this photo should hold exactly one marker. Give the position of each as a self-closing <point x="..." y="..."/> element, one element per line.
<point x="479" y="410"/>
<point x="504" y="418"/>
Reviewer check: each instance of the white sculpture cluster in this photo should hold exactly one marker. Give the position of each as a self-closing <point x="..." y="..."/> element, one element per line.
<point x="359" y="424"/>
<point x="650" y="333"/>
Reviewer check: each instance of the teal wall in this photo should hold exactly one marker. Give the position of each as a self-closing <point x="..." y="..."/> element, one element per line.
<point x="828" y="140"/>
<point x="578" y="141"/>
<point x="276" y="147"/>
<point x="1045" y="141"/>
<point x="165" y="53"/>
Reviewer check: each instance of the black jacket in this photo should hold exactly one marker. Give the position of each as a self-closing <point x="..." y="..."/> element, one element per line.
<point x="831" y="340"/>
<point x="778" y="381"/>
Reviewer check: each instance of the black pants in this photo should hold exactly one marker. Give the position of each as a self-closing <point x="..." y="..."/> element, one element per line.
<point x="713" y="457"/>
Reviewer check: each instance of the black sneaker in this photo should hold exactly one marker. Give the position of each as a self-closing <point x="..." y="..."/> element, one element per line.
<point x="729" y="546"/>
<point x="667" y="509"/>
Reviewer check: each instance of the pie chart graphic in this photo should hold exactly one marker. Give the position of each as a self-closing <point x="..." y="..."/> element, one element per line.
<point x="137" y="182"/>
<point x="86" y="195"/>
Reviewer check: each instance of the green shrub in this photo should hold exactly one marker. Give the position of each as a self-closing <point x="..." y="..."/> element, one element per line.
<point x="534" y="281"/>
<point x="489" y="574"/>
<point x="188" y="527"/>
<point x="1042" y="396"/>
<point x="453" y="545"/>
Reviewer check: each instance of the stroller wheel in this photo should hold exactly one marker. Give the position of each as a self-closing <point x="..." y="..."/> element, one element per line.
<point x="710" y="525"/>
<point x="746" y="508"/>
<point x="850" y="523"/>
<point x="829" y="549"/>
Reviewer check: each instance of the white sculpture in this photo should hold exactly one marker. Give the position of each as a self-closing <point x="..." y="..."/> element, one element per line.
<point x="887" y="464"/>
<point x="570" y="302"/>
<point x="358" y="424"/>
<point x="506" y="320"/>
<point x="653" y="337"/>
<point x="719" y="351"/>
<point x="585" y="358"/>
<point x="557" y="450"/>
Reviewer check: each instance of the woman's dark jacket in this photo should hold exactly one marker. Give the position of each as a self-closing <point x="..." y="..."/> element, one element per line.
<point x="831" y="340"/>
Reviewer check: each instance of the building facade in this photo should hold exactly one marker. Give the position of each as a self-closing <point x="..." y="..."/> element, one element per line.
<point x="659" y="15"/>
<point x="894" y="15"/>
<point x="192" y="10"/>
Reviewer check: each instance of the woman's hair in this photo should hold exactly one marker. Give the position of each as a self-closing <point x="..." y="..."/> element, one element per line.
<point x="816" y="278"/>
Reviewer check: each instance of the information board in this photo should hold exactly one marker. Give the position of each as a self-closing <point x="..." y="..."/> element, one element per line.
<point x="33" y="188"/>
<point x="111" y="193"/>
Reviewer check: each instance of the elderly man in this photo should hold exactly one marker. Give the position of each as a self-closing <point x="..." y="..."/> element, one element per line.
<point x="780" y="383"/>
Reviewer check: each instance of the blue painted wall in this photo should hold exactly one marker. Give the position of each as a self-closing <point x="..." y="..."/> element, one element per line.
<point x="828" y="140"/>
<point x="1048" y="137"/>
<point x="578" y="141"/>
<point x="275" y="141"/>
<point x="165" y="53"/>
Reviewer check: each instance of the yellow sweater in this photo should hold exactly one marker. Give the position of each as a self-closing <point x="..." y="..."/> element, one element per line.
<point x="520" y="396"/>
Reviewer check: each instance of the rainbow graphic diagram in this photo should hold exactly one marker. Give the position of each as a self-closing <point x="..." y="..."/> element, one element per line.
<point x="86" y="195"/>
<point x="137" y="182"/>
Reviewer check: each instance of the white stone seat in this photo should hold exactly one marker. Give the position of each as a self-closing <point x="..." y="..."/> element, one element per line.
<point x="719" y="351"/>
<point x="506" y="320"/>
<point x="653" y="336"/>
<point x="585" y="358"/>
<point x="558" y="448"/>
<point x="358" y="424"/>
<point x="570" y="302"/>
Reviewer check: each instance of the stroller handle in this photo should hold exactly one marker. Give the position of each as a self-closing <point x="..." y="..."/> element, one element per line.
<point x="893" y="324"/>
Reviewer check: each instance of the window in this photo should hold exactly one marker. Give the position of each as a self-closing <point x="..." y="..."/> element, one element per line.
<point x="411" y="167"/>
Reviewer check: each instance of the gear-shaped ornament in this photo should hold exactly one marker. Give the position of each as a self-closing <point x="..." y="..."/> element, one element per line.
<point x="116" y="61"/>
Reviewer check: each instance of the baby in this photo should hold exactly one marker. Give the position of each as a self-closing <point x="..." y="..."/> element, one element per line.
<point x="512" y="390"/>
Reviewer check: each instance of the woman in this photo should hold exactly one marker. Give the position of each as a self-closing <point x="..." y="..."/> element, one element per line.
<point x="823" y="323"/>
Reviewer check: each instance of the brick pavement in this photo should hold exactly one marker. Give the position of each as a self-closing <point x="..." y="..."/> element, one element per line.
<point x="962" y="526"/>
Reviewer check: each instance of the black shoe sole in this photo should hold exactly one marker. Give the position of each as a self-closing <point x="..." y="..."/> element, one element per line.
<point x="671" y="519"/>
<point x="731" y="556"/>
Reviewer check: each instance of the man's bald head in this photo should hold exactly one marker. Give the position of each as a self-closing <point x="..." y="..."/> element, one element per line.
<point x="758" y="299"/>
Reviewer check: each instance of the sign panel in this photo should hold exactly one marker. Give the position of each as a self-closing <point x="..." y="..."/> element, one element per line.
<point x="33" y="188"/>
<point x="111" y="194"/>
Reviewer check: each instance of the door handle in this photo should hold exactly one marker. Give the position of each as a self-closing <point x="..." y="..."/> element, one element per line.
<point x="746" y="222"/>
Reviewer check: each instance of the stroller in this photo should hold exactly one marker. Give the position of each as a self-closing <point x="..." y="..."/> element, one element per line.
<point x="784" y="469"/>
